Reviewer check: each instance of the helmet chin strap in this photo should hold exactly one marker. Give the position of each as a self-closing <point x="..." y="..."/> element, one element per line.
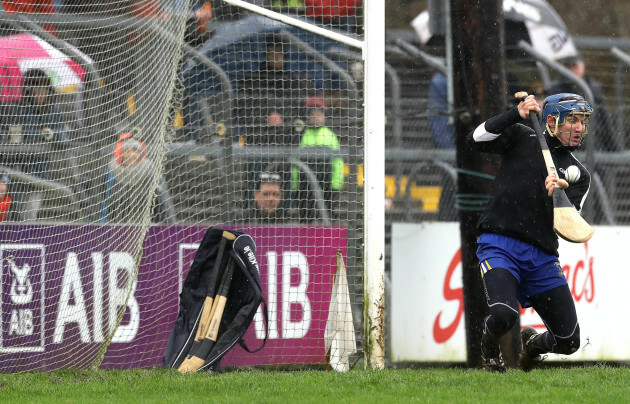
<point x="553" y="133"/>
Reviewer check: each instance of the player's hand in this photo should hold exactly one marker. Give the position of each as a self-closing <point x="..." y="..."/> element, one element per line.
<point x="552" y="182"/>
<point x="529" y="104"/>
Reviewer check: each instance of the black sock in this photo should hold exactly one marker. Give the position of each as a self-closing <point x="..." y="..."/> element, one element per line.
<point x="489" y="344"/>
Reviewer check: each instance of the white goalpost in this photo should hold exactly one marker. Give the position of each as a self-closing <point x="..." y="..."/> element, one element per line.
<point x="374" y="193"/>
<point x="372" y="49"/>
<point x="129" y="128"/>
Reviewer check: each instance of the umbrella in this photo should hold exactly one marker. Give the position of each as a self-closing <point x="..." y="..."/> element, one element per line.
<point x="545" y="29"/>
<point x="23" y="52"/>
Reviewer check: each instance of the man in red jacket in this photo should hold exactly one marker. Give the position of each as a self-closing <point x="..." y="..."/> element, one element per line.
<point x="5" y="198"/>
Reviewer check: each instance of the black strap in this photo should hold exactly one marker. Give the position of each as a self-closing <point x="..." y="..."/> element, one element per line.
<point x="242" y="343"/>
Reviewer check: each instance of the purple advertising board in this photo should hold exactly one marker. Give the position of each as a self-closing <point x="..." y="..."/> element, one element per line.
<point x="62" y="287"/>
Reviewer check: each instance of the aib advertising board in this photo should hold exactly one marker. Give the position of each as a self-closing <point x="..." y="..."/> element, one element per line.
<point x="65" y="287"/>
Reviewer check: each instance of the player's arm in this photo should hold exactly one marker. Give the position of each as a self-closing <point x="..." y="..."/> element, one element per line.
<point x="493" y="135"/>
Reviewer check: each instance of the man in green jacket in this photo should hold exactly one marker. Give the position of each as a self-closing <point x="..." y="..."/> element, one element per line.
<point x="329" y="172"/>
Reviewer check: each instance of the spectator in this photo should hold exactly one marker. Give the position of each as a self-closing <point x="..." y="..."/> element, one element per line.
<point x="274" y="130"/>
<point x="605" y="135"/>
<point x="442" y="131"/>
<point x="268" y="202"/>
<point x="38" y="120"/>
<point x="539" y="93"/>
<point x="118" y="146"/>
<point x="197" y="31"/>
<point x="273" y="93"/>
<point x="31" y="7"/>
<point x="335" y="13"/>
<point x="281" y="124"/>
<point x="5" y="198"/>
<point x="40" y="117"/>
<point x="278" y="129"/>
<point x="117" y="51"/>
<point x="274" y="118"/>
<point x="110" y="49"/>
<point x="537" y="90"/>
<point x="196" y="26"/>
<point x="129" y="184"/>
<point x="329" y="171"/>
<point x="272" y="75"/>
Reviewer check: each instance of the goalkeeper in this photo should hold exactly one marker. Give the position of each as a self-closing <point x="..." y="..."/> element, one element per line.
<point x="518" y="249"/>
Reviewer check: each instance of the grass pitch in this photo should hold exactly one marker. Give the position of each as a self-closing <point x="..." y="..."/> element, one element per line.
<point x="594" y="384"/>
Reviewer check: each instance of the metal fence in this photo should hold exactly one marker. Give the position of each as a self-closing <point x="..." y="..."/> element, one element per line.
<point x="420" y="170"/>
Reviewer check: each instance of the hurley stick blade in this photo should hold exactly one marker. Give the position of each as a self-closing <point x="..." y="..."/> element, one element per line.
<point x="569" y="225"/>
<point x="567" y="222"/>
<point x="191" y="365"/>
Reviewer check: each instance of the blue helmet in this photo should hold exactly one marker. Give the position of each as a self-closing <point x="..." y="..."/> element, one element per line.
<point x="560" y="105"/>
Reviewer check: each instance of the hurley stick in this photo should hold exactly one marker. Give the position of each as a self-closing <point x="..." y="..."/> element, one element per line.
<point x="201" y="349"/>
<point x="206" y="313"/>
<point x="567" y="222"/>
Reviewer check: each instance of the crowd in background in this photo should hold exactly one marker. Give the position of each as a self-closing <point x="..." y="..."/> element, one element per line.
<point x="605" y="135"/>
<point x="293" y="107"/>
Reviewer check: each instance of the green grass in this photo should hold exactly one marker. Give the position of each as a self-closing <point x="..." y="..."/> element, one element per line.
<point x="593" y="384"/>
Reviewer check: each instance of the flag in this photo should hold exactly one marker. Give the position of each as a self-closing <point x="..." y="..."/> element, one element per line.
<point x="339" y="336"/>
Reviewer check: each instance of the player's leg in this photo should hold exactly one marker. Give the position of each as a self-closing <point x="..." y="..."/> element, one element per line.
<point x="501" y="288"/>
<point x="557" y="310"/>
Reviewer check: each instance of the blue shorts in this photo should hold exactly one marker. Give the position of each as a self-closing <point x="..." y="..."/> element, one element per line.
<point x="535" y="270"/>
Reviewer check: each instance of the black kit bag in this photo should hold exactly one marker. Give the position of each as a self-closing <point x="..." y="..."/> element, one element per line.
<point x="243" y="298"/>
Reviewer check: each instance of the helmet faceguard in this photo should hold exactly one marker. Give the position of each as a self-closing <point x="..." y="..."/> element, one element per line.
<point x="561" y="105"/>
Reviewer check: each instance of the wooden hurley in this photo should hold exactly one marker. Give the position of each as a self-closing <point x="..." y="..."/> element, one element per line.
<point x="206" y="313"/>
<point x="201" y="349"/>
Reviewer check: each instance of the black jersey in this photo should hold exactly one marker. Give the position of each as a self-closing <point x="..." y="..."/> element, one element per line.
<point x="520" y="206"/>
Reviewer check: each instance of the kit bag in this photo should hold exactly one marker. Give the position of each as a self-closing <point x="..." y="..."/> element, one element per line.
<point x="244" y="296"/>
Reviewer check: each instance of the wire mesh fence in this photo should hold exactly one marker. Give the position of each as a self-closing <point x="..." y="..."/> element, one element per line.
<point x="421" y="186"/>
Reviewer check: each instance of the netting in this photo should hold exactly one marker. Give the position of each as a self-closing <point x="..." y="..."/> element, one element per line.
<point x="131" y="127"/>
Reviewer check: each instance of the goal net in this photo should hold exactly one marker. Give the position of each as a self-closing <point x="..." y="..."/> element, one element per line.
<point x="131" y="127"/>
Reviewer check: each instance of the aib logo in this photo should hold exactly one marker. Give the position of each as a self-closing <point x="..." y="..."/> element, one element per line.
<point x="21" y="288"/>
<point x="22" y="297"/>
